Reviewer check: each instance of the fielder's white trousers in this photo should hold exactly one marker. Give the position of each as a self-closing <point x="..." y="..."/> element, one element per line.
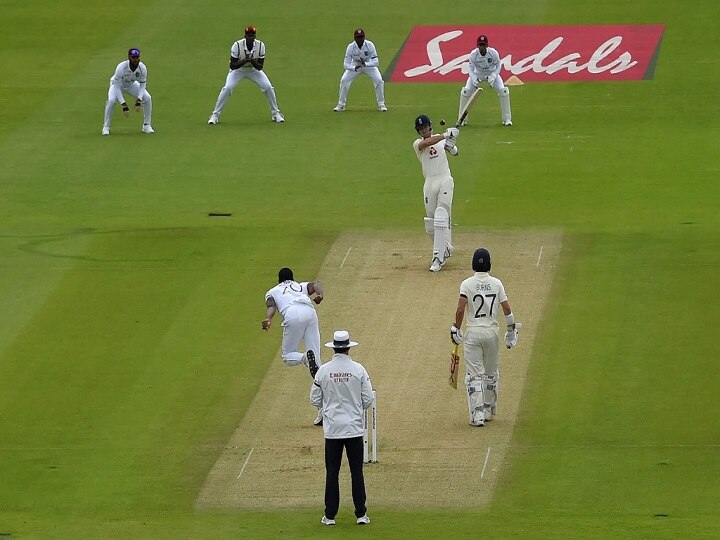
<point x="115" y="95"/>
<point x="234" y="77"/>
<point x="350" y="75"/>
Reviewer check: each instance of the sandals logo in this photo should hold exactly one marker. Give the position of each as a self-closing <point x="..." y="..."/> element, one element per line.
<point x="531" y="53"/>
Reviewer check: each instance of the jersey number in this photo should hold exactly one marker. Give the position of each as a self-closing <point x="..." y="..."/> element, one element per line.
<point x="479" y="312"/>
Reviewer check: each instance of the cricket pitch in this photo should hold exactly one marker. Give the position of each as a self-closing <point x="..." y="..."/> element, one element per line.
<point x="378" y="287"/>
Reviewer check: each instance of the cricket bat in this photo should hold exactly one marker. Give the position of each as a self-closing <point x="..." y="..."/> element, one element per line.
<point x="468" y="106"/>
<point x="454" y="363"/>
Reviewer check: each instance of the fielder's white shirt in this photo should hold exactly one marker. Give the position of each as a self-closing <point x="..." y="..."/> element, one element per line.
<point x="481" y="66"/>
<point x="484" y="294"/>
<point x="287" y="293"/>
<point x="240" y="51"/>
<point x="366" y="53"/>
<point x="342" y="389"/>
<point x="124" y="76"/>
<point x="433" y="159"/>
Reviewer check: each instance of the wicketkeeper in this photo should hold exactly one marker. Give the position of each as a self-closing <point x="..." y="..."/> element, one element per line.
<point x="480" y="295"/>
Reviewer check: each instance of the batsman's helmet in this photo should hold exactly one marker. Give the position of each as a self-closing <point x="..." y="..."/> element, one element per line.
<point x="285" y="274"/>
<point x="481" y="260"/>
<point x="482" y="40"/>
<point x="422" y="121"/>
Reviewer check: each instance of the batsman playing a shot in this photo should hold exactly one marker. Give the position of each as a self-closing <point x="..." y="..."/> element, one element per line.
<point x="431" y="151"/>
<point x="481" y="298"/>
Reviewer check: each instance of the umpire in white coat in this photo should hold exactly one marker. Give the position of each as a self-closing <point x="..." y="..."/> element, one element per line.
<point x="342" y="390"/>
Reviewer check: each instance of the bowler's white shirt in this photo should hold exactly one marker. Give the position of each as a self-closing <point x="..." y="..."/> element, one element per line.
<point x="484" y="294"/>
<point x="433" y="159"/>
<point x="287" y="293"/>
<point x="343" y="391"/>
<point x="481" y="66"/>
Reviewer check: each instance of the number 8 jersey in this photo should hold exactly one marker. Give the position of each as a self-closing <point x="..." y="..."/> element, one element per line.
<point x="484" y="294"/>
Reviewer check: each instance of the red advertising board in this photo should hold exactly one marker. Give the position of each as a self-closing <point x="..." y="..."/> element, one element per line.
<point x="531" y="53"/>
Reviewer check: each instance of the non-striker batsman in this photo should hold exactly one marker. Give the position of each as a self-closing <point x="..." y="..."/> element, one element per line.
<point x="482" y="297"/>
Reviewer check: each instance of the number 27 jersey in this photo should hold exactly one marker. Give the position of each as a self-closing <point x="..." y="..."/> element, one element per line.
<point x="484" y="294"/>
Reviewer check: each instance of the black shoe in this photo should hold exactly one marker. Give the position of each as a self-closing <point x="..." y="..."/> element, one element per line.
<point x="312" y="364"/>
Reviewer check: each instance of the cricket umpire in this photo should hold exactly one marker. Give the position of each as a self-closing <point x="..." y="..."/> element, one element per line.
<point x="343" y="392"/>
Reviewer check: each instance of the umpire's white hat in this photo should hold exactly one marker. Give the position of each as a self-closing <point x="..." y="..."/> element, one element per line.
<point x="341" y="340"/>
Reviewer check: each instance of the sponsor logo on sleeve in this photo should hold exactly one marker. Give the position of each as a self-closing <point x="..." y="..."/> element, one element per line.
<point x="531" y="53"/>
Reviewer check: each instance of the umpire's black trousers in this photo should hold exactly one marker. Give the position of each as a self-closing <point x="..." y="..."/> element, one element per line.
<point x="333" y="460"/>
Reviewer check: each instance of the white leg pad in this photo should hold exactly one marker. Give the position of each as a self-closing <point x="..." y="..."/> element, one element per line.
<point x="441" y="236"/>
<point x="474" y="387"/>
<point x="490" y="389"/>
<point x="504" y="96"/>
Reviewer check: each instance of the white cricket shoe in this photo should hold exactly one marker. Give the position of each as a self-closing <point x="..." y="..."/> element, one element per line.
<point x="382" y="108"/>
<point x="327" y="521"/>
<point x="214" y="119"/>
<point x="364" y="520"/>
<point x="436" y="265"/>
<point x="278" y="117"/>
<point x="147" y="128"/>
<point x="339" y="108"/>
<point x="507" y="122"/>
<point x="106" y="130"/>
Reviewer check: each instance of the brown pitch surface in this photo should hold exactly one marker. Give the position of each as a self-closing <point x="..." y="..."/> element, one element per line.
<point x="379" y="288"/>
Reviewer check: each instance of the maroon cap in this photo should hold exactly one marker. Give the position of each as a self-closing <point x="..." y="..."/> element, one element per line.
<point x="359" y="32"/>
<point x="482" y="39"/>
<point x="250" y="30"/>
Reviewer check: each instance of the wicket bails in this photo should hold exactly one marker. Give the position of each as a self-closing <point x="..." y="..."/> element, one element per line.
<point x="368" y="433"/>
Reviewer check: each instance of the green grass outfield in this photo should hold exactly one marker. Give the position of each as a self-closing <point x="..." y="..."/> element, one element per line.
<point x="129" y="341"/>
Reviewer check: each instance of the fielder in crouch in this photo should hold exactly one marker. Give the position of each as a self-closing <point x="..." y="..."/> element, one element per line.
<point x="343" y="392"/>
<point x="361" y="57"/>
<point x="431" y="150"/>
<point x="294" y="301"/>
<point x="484" y="65"/>
<point x="481" y="298"/>
<point x="247" y="60"/>
<point x="130" y="77"/>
